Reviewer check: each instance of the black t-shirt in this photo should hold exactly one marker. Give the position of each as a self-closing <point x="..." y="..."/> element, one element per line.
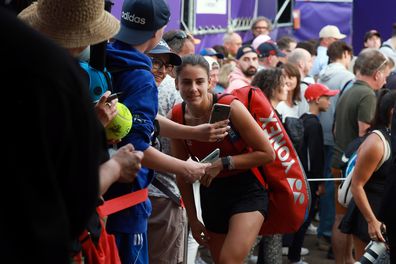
<point x="53" y="147"/>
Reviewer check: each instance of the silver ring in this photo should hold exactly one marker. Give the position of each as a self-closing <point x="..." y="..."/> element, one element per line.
<point x="108" y="104"/>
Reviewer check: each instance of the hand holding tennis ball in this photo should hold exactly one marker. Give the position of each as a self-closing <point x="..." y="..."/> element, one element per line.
<point x="121" y="124"/>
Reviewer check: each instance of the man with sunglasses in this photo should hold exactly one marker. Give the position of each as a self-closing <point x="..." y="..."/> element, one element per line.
<point x="354" y="112"/>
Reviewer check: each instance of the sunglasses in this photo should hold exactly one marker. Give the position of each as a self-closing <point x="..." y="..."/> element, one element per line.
<point x="178" y="35"/>
<point x="158" y="64"/>
<point x="381" y="65"/>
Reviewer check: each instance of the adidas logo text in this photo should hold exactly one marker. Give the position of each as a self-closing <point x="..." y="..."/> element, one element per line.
<point x="133" y="18"/>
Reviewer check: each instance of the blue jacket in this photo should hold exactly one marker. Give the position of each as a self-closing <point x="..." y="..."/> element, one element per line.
<point x="140" y="95"/>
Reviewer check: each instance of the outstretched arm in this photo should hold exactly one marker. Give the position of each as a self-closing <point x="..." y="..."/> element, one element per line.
<point x="203" y="133"/>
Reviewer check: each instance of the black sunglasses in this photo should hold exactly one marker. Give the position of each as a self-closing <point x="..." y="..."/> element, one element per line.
<point x="178" y="35"/>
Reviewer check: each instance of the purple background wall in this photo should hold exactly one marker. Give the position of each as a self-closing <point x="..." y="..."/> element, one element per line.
<point x="378" y="14"/>
<point x="353" y="19"/>
<point x="315" y="15"/>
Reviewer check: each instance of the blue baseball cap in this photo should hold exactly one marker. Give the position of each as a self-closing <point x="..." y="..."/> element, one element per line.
<point x="267" y="49"/>
<point x="140" y="19"/>
<point x="163" y="48"/>
<point x="211" y="52"/>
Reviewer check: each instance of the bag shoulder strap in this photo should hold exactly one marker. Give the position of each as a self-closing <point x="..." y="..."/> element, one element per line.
<point x="386" y="155"/>
<point x="162" y="187"/>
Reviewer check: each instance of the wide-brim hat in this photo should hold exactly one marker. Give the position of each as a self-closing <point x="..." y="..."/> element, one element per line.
<point x="163" y="48"/>
<point x="71" y="23"/>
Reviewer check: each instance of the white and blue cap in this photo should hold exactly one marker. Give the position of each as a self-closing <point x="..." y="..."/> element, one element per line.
<point x="140" y="19"/>
<point x="163" y="48"/>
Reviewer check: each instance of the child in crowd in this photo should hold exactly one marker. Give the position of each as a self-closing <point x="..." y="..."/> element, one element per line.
<point x="312" y="156"/>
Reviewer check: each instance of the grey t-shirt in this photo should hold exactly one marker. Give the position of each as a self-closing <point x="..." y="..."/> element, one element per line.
<point x="356" y="104"/>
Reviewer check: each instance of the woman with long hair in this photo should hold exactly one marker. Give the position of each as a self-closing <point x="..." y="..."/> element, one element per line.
<point x="234" y="203"/>
<point x="272" y="83"/>
<point x="368" y="181"/>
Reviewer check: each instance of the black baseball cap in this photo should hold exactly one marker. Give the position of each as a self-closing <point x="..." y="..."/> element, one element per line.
<point x="211" y="52"/>
<point x="371" y="33"/>
<point x="140" y="19"/>
<point x="243" y="50"/>
<point x="163" y="48"/>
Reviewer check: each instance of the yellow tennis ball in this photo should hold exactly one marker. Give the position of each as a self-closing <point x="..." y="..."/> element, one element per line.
<point x="121" y="124"/>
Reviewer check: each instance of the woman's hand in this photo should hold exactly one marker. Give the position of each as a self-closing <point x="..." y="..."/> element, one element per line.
<point x="374" y="230"/>
<point x="199" y="233"/>
<point x="211" y="172"/>
<point x="106" y="111"/>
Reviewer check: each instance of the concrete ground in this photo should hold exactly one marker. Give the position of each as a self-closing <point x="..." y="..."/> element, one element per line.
<point x="315" y="256"/>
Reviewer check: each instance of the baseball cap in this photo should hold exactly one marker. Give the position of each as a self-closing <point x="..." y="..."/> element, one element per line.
<point x="163" y="48"/>
<point x="212" y="63"/>
<point x="211" y="52"/>
<point x="371" y="33"/>
<point x="316" y="90"/>
<point x="140" y="19"/>
<point x="244" y="50"/>
<point x="267" y="49"/>
<point x="331" y="31"/>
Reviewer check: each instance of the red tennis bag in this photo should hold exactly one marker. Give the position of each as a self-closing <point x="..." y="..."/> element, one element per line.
<point x="284" y="178"/>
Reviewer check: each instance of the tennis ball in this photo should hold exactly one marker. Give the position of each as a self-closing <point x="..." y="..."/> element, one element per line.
<point x="121" y="124"/>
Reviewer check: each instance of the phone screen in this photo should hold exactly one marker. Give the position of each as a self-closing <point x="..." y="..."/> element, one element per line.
<point x="220" y="112"/>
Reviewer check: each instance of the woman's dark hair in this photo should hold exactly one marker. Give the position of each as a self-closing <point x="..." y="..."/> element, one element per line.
<point x="268" y="80"/>
<point x="292" y="71"/>
<point x="385" y="102"/>
<point x="193" y="60"/>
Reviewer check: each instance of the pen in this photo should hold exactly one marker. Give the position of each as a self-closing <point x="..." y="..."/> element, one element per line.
<point x="110" y="98"/>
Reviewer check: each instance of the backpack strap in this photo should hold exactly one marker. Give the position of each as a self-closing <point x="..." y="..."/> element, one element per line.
<point x="387" y="150"/>
<point x="162" y="187"/>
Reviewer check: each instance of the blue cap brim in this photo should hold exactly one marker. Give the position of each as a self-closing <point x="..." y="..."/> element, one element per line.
<point x="174" y="59"/>
<point x="133" y="36"/>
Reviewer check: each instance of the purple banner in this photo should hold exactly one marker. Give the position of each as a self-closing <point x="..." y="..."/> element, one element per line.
<point x="315" y="15"/>
<point x="241" y="8"/>
<point x="367" y="15"/>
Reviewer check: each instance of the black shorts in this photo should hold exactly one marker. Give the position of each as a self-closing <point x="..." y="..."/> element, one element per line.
<point x="231" y="195"/>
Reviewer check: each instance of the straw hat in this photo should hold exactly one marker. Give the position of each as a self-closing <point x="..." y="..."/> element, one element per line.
<point x="71" y="23"/>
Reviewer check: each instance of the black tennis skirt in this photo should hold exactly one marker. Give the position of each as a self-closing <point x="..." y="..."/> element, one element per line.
<point x="231" y="195"/>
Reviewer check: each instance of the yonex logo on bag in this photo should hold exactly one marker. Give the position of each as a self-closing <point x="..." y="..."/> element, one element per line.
<point x="296" y="186"/>
<point x="133" y="18"/>
<point x="275" y="135"/>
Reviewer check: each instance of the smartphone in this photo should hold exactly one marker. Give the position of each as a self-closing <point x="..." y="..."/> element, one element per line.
<point x="212" y="157"/>
<point x="220" y="112"/>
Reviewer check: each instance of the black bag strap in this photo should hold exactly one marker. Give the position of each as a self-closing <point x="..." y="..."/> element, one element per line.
<point x="160" y="186"/>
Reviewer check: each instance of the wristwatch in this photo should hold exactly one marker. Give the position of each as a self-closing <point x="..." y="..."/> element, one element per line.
<point x="228" y="163"/>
